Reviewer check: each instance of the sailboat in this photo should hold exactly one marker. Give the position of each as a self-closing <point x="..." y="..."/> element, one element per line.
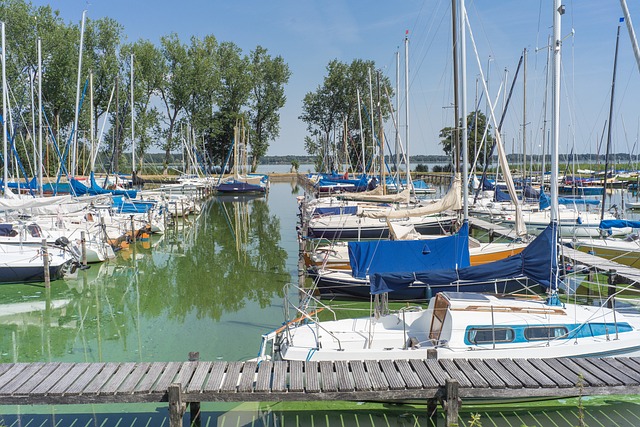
<point x="241" y="183"/>
<point x="469" y="324"/>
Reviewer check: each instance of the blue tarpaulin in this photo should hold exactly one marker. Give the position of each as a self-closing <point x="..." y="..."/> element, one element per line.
<point x="388" y="256"/>
<point x="537" y="262"/>
<point x="336" y="210"/>
<point x="545" y="201"/>
<point x="606" y="224"/>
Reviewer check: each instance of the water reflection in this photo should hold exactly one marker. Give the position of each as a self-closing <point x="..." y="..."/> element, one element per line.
<point x="159" y="299"/>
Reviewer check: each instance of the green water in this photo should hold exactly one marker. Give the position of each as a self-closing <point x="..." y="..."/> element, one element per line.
<point x="211" y="285"/>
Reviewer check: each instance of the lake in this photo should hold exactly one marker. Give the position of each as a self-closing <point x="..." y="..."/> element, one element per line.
<point x="211" y="285"/>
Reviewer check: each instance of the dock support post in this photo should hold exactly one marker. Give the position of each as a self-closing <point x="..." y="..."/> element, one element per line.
<point x="611" y="290"/>
<point x="176" y="407"/>
<point x="45" y="261"/>
<point x="83" y="241"/>
<point x="194" y="407"/>
<point x="452" y="402"/>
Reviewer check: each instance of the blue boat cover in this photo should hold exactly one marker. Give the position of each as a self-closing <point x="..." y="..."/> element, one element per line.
<point x="545" y="201"/>
<point x="537" y="261"/>
<point x="606" y="224"/>
<point x="336" y="210"/>
<point x="131" y="206"/>
<point x="501" y="196"/>
<point x="391" y="256"/>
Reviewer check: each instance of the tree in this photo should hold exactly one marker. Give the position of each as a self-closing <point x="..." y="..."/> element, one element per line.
<point x="233" y="93"/>
<point x="268" y="77"/>
<point x="174" y="89"/>
<point x="475" y="130"/>
<point x="336" y="102"/>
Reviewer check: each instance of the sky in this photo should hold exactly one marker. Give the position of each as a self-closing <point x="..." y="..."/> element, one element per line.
<point x="309" y="34"/>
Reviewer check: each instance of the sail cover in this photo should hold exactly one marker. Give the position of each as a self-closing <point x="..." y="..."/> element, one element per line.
<point x="387" y="256"/>
<point x="537" y="262"/>
<point x="450" y="201"/>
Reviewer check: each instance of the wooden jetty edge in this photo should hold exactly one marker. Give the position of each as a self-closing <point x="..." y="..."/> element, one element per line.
<point x="444" y="381"/>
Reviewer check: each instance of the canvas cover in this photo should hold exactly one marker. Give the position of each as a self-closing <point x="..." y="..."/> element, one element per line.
<point x="387" y="256"/>
<point x="537" y="262"/>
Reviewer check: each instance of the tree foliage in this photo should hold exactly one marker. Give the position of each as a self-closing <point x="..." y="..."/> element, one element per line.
<point x="475" y="131"/>
<point x="199" y="83"/>
<point x="331" y="112"/>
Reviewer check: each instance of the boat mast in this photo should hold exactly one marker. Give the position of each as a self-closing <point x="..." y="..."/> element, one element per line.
<point x="406" y="107"/>
<point x="558" y="11"/>
<point x="524" y="118"/>
<point x="456" y="140"/>
<point x="463" y="107"/>
<point x="5" y="179"/>
<point x="133" y="140"/>
<point x="397" y="115"/>
<point x="606" y="157"/>
<point x="40" y="162"/>
<point x="75" y="120"/>
<point x="364" y="172"/>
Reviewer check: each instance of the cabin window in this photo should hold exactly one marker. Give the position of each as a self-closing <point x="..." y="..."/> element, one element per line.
<point x="539" y="333"/>
<point x="490" y="335"/>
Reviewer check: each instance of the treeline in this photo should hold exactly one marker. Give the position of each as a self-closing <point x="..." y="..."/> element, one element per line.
<point x="186" y="95"/>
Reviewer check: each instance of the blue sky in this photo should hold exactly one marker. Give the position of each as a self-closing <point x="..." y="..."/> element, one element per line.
<point x="308" y="34"/>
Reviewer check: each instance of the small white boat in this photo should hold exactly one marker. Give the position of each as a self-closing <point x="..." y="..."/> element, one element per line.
<point x="461" y="325"/>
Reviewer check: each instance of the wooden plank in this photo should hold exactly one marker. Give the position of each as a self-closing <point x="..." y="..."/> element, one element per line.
<point x="360" y="377"/>
<point x="263" y="380"/>
<point x="99" y="380"/>
<point x="129" y="385"/>
<point x="619" y="370"/>
<point x="630" y="364"/>
<point x="454" y="372"/>
<point x="438" y="373"/>
<point x="587" y="378"/>
<point x="560" y="369"/>
<point x="279" y="383"/>
<point x="394" y="379"/>
<point x="312" y="377"/>
<point x="167" y="377"/>
<point x="506" y="376"/>
<point x="492" y="379"/>
<point x="541" y="378"/>
<point x="248" y="377"/>
<point x="13" y="385"/>
<point x="426" y="377"/>
<point x="595" y="370"/>
<point x="185" y="373"/>
<point x="83" y="380"/>
<point x="378" y="381"/>
<point x="476" y="379"/>
<point x="231" y="376"/>
<point x="12" y="373"/>
<point x="152" y="375"/>
<point x="36" y="379"/>
<point x="4" y="367"/>
<point x="343" y="376"/>
<point x="197" y="382"/>
<point x="217" y="374"/>
<point x="408" y="375"/>
<point x="557" y="377"/>
<point x="52" y="379"/>
<point x="296" y="376"/>
<point x="519" y="373"/>
<point x="65" y="382"/>
<point x="327" y="377"/>
<point x="118" y="378"/>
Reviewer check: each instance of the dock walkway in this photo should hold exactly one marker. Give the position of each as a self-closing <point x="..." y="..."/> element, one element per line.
<point x="183" y="384"/>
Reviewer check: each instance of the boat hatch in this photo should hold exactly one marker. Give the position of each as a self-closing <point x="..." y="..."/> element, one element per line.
<point x="440" y="309"/>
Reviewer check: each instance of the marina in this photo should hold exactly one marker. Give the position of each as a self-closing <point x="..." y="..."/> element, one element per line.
<point x="154" y="268"/>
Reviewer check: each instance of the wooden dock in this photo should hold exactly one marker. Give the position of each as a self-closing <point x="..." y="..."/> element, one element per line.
<point x="494" y="230"/>
<point x="444" y="381"/>
<point x="621" y="274"/>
